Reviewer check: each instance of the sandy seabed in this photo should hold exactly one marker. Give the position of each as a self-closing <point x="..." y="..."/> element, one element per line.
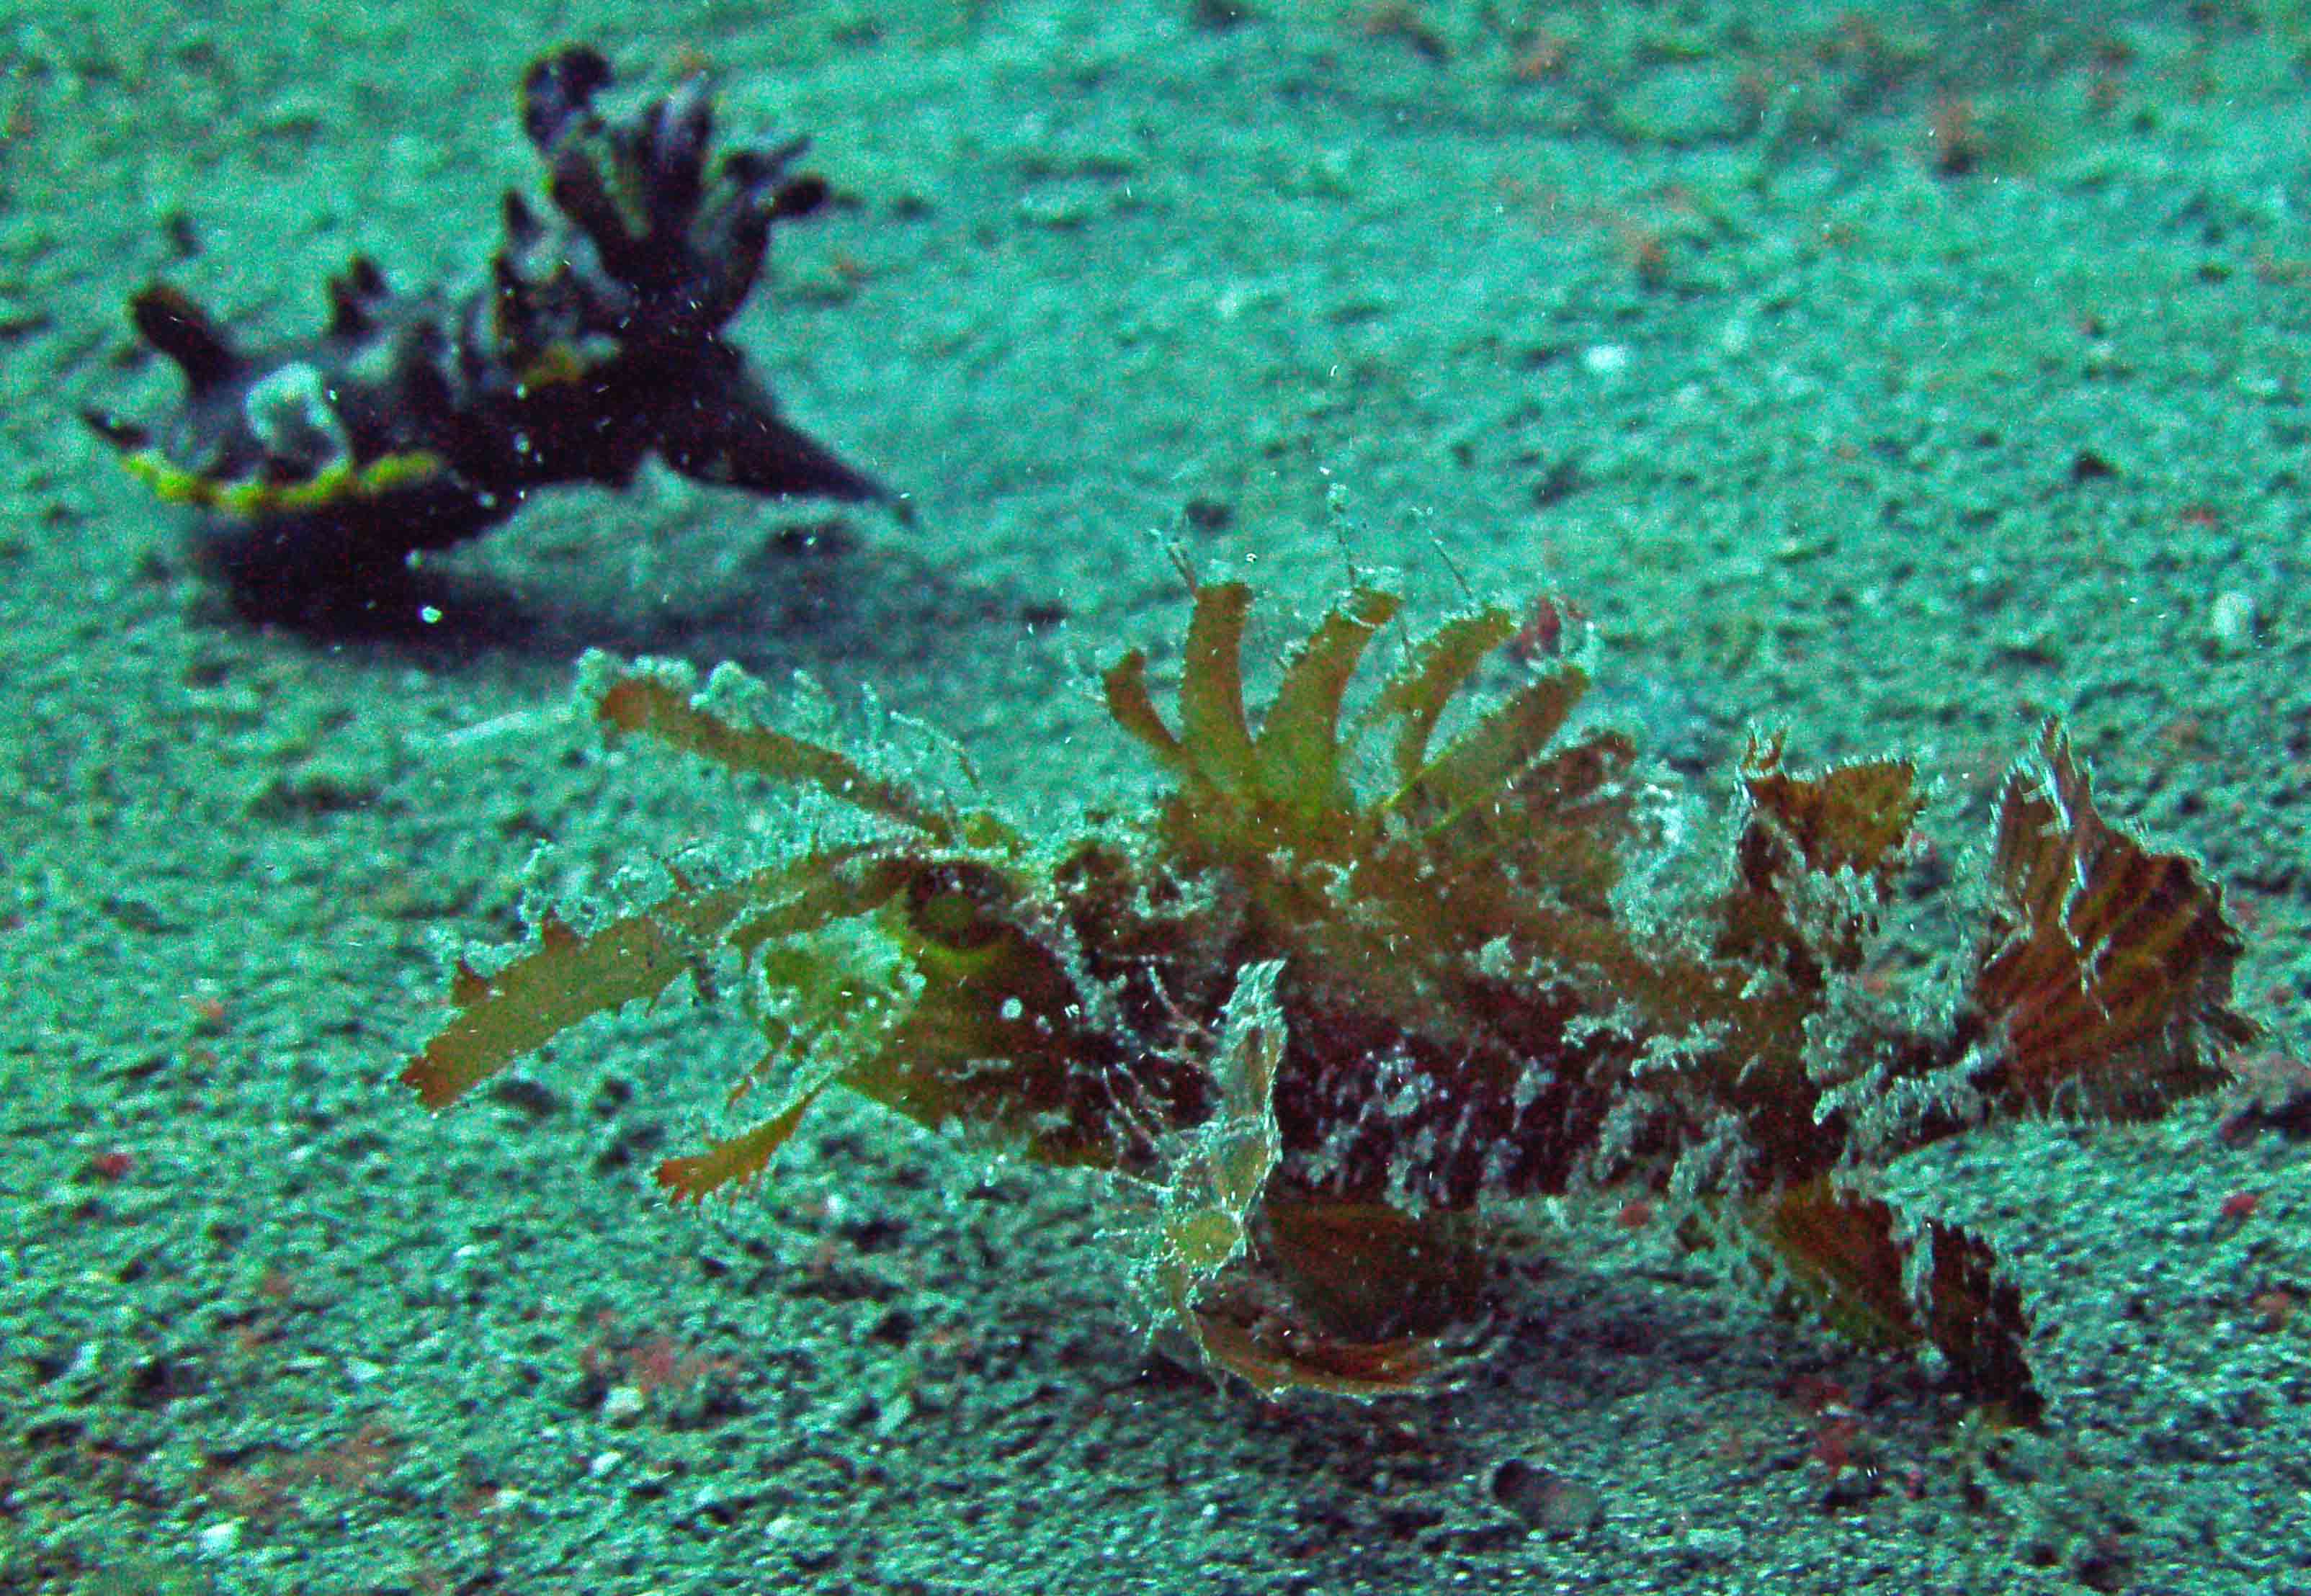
<point x="1897" y="376"/>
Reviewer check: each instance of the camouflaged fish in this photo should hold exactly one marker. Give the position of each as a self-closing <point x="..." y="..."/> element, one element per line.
<point x="417" y="422"/>
<point x="1350" y="996"/>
